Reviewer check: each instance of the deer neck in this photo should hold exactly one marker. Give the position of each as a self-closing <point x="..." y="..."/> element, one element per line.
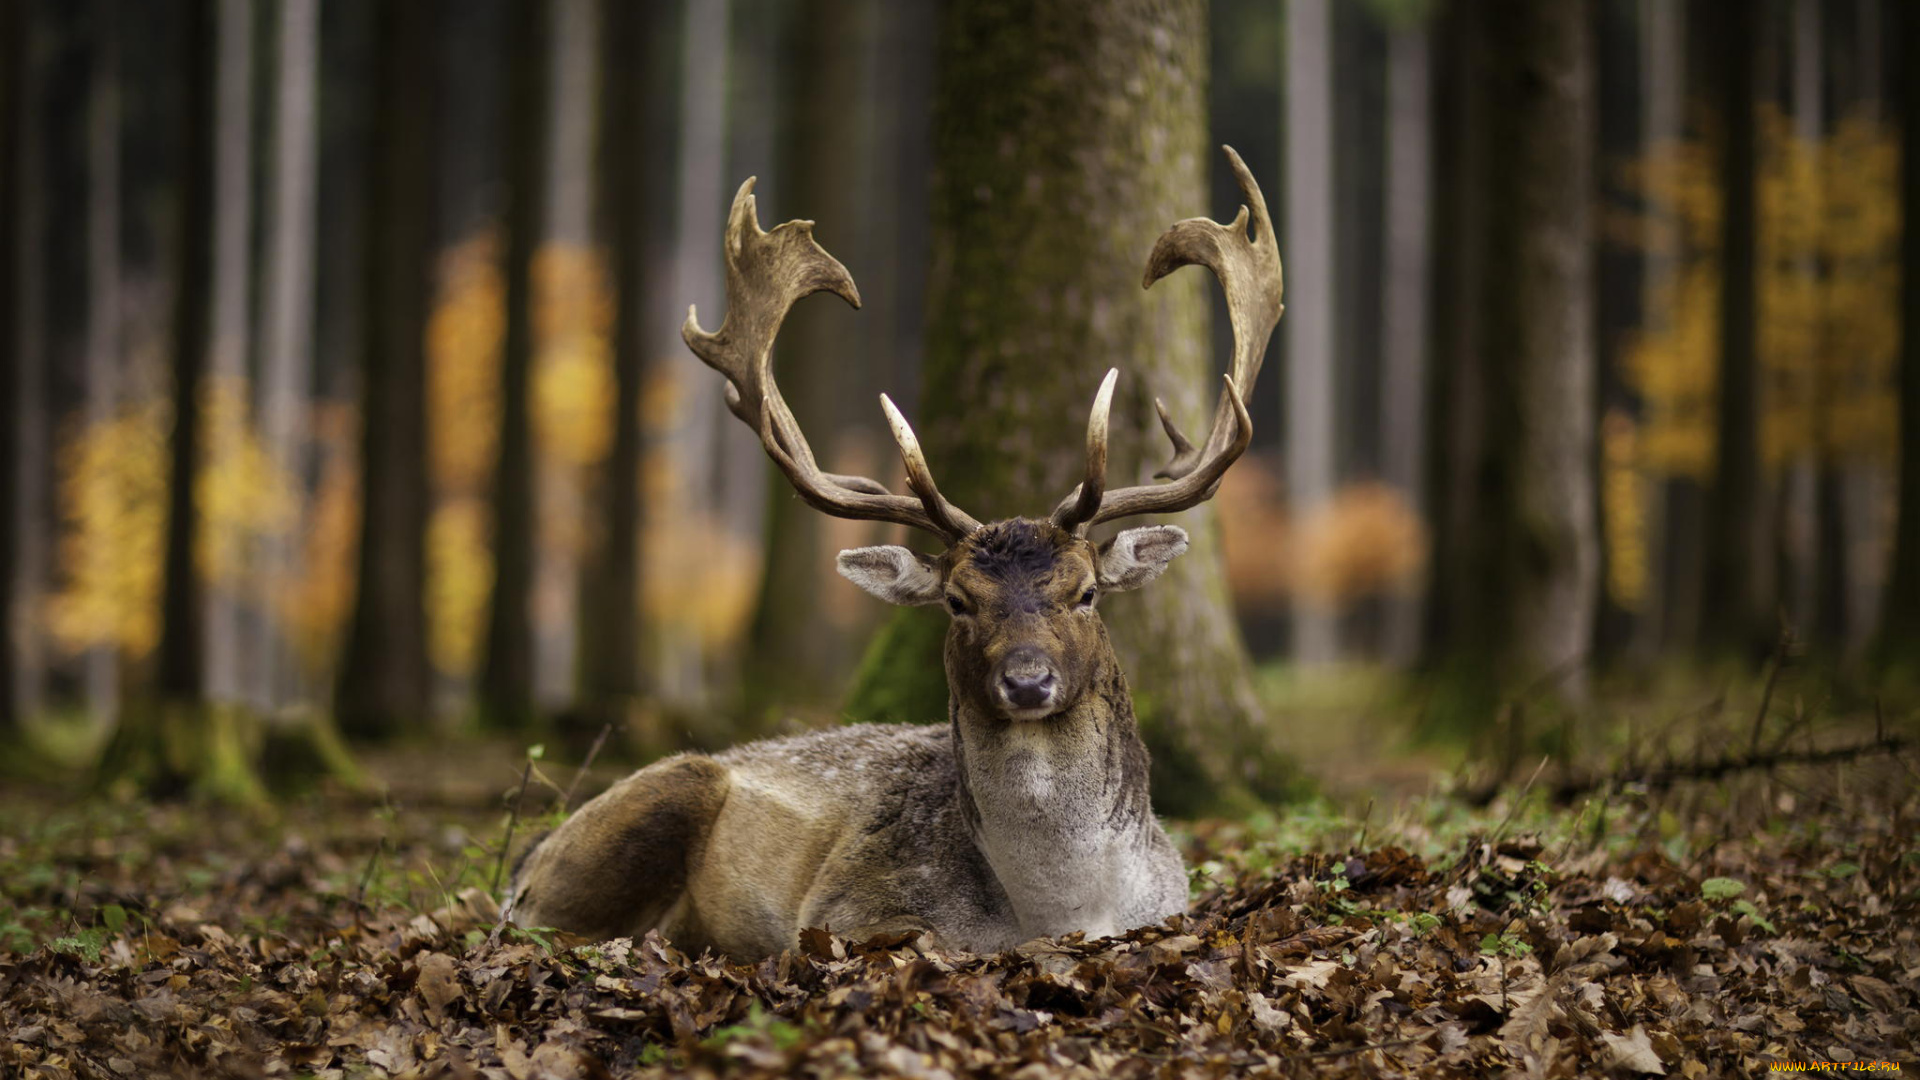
<point x="1059" y="807"/>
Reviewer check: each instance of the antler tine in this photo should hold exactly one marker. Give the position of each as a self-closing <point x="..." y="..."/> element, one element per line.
<point x="950" y="518"/>
<point x="767" y="273"/>
<point x="1079" y="508"/>
<point x="1246" y="260"/>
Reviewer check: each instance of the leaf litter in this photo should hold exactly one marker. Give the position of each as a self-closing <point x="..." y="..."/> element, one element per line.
<point x="164" y="941"/>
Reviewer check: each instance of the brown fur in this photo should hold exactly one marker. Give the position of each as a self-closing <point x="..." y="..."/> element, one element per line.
<point x="987" y="831"/>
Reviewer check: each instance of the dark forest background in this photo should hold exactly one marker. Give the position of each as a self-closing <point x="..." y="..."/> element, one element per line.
<point x="1598" y="372"/>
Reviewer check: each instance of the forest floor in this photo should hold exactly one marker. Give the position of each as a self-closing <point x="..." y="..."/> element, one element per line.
<point x="1692" y="930"/>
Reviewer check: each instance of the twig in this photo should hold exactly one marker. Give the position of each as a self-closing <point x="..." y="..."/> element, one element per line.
<point x="1774" y="665"/>
<point x="566" y="798"/>
<point x="500" y="864"/>
<point x="1514" y="806"/>
<point x="366" y="875"/>
<point x="1663" y="778"/>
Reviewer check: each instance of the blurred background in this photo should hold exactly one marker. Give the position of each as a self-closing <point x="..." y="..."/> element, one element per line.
<point x="1591" y="371"/>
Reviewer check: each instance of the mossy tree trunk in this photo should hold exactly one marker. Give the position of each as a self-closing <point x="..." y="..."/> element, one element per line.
<point x="385" y="681"/>
<point x="1065" y="141"/>
<point x="506" y="675"/>
<point x="794" y="656"/>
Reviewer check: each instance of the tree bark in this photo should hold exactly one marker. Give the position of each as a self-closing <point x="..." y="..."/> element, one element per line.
<point x="101" y="662"/>
<point x="286" y="367"/>
<point x="1899" y="637"/>
<point x="13" y="86"/>
<point x="1404" y="316"/>
<point x="228" y="648"/>
<point x="385" y="681"/>
<point x="1311" y="394"/>
<point x="1517" y="562"/>
<point x="611" y="671"/>
<point x="176" y="743"/>
<point x="506" y="675"/>
<point x="794" y="656"/>
<point x="1729" y="619"/>
<point x="1064" y="143"/>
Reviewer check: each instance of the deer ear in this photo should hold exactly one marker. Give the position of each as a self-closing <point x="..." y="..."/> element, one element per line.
<point x="893" y="574"/>
<point x="1137" y="556"/>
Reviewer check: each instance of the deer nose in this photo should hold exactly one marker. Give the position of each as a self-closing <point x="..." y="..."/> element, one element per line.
<point x="1028" y="691"/>
<point x="1027" y="680"/>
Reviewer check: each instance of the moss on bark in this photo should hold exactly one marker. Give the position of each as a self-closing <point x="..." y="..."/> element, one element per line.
<point x="1065" y="140"/>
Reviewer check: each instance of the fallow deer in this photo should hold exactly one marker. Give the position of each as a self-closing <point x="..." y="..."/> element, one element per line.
<point x="1027" y="814"/>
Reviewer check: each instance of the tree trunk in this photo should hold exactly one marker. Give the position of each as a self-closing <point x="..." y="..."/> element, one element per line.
<point x="224" y="640"/>
<point x="610" y="643"/>
<point x="286" y="368"/>
<point x="1729" y="619"/>
<point x="101" y="662"/>
<point x="26" y="406"/>
<point x="1038" y="244"/>
<point x="13" y="86"/>
<point x="1518" y="558"/>
<point x="1404" y="394"/>
<point x="506" y="675"/>
<point x="177" y="743"/>
<point x="1899" y="637"/>
<point x="1541" y="327"/>
<point x="385" y="681"/>
<point x="794" y="656"/>
<point x="1311" y="394"/>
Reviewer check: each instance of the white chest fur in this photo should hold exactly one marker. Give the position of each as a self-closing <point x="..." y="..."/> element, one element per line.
<point x="1046" y="828"/>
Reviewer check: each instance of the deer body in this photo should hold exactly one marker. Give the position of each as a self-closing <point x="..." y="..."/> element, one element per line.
<point x="1027" y="814"/>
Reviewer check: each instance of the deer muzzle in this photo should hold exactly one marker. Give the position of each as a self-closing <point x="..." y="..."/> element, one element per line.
<point x="1026" y="684"/>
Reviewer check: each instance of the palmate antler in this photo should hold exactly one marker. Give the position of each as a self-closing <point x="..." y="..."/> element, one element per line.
<point x="767" y="272"/>
<point x="1247" y="262"/>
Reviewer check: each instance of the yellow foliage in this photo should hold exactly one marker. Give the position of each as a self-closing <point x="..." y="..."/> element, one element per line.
<point x="1827" y="249"/>
<point x="113" y="496"/>
<point x="1622" y="489"/>
<point x="572" y="395"/>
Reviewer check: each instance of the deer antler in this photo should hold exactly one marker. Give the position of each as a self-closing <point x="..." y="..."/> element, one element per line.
<point x="1247" y="262"/>
<point x="767" y="272"/>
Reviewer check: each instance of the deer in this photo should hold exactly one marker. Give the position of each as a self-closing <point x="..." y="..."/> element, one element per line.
<point x="1027" y="814"/>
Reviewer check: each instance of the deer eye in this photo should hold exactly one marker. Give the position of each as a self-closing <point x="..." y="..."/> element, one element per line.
<point x="1086" y="598"/>
<point x="955" y="604"/>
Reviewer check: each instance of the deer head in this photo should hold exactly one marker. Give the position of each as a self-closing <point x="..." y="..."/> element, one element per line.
<point x="1026" y="640"/>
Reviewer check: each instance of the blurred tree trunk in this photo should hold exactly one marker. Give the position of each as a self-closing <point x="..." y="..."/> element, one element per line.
<point x="1899" y="636"/>
<point x="1037" y="250"/>
<point x="26" y="408"/>
<point x="385" y="682"/>
<point x="224" y="640"/>
<point x="692" y="450"/>
<point x="611" y="671"/>
<point x="286" y="366"/>
<point x="506" y="674"/>
<point x="13" y="88"/>
<point x="101" y="662"/>
<point x="1663" y="95"/>
<point x="1311" y="394"/>
<point x="1405" y="390"/>
<point x="1730" y="622"/>
<point x="1518" y="558"/>
<point x="176" y="743"/>
<point x="794" y="655"/>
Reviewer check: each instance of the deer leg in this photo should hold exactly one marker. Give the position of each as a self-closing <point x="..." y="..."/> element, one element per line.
<point x="621" y="861"/>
